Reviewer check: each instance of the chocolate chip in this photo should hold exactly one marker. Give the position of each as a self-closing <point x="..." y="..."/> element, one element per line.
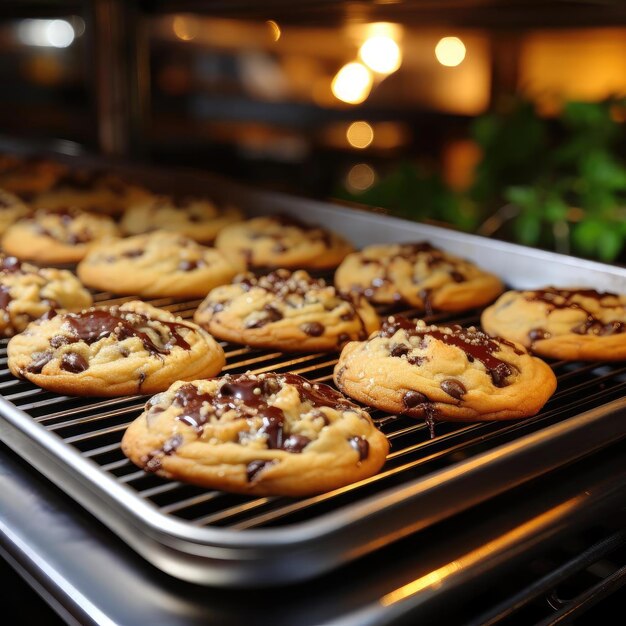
<point x="255" y="467"/>
<point x="48" y="315"/>
<point x="74" y="363"/>
<point x="361" y="445"/>
<point x="348" y="316"/>
<point x="10" y="264"/>
<point x="457" y="277"/>
<point x="399" y="350"/>
<point x="453" y="388"/>
<point x="189" y="266"/>
<point x="39" y="361"/>
<point x="5" y="297"/>
<point x="132" y="254"/>
<point x="313" y="329"/>
<point x="170" y="446"/>
<point x="499" y="374"/>
<point x="343" y="338"/>
<point x="537" y="334"/>
<point x="296" y="443"/>
<point x="412" y="398"/>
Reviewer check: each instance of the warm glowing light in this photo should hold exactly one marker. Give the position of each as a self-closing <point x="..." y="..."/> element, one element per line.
<point x="184" y="28"/>
<point x="381" y="54"/>
<point x="352" y="84"/>
<point x="274" y="29"/>
<point x="360" y="135"/>
<point x="450" y="51"/>
<point x="360" y="177"/>
<point x="49" y="33"/>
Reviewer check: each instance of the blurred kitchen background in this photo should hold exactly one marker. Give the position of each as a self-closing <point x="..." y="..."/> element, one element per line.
<point x="505" y="118"/>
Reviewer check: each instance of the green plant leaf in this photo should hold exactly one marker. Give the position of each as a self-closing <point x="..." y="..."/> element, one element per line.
<point x="610" y="243"/>
<point x="528" y="228"/>
<point x="585" y="235"/>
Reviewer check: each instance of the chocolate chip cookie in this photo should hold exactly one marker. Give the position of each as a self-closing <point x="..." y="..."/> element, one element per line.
<point x="61" y="236"/>
<point x="419" y="275"/>
<point x="156" y="264"/>
<point x="28" y="292"/>
<point x="95" y="191"/>
<point x="283" y="241"/>
<point x="11" y="210"/>
<point x="450" y="373"/>
<point x="569" y="324"/>
<point x="198" y="218"/>
<point x="266" y="434"/>
<point x="286" y="311"/>
<point x="29" y="176"/>
<point x="121" y="350"/>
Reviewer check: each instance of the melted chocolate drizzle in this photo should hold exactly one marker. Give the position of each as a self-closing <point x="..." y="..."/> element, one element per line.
<point x="564" y="299"/>
<point x="93" y="325"/>
<point x="473" y="343"/>
<point x="248" y="397"/>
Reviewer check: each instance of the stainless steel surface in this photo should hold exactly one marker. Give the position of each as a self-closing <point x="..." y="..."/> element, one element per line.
<point x="227" y="540"/>
<point x="86" y="573"/>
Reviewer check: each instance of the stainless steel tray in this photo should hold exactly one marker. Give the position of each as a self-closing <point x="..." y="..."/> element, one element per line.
<point x="225" y="540"/>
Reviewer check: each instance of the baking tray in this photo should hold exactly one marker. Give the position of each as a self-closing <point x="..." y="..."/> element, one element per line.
<point x="225" y="540"/>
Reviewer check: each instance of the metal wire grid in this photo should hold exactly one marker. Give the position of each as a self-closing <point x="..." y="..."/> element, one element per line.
<point x="95" y="427"/>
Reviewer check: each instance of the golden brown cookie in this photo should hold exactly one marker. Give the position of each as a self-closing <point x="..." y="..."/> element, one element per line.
<point x="286" y="311"/>
<point x="570" y="324"/>
<point x="94" y="191"/>
<point x="156" y="264"/>
<point x="121" y="350"/>
<point x="11" y="210"/>
<point x="28" y="292"/>
<point x="27" y="177"/>
<point x="419" y="275"/>
<point x="198" y="218"/>
<point x="266" y="434"/>
<point x="450" y="373"/>
<point x="56" y="236"/>
<point x="283" y="241"/>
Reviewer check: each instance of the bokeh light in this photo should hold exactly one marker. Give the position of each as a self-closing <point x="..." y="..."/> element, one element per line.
<point x="274" y="29"/>
<point x="450" y="51"/>
<point x="352" y="84"/>
<point x="360" y="177"/>
<point x="360" y="134"/>
<point x="381" y="54"/>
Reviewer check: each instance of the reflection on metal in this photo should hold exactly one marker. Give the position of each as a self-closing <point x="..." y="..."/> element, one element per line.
<point x="439" y="576"/>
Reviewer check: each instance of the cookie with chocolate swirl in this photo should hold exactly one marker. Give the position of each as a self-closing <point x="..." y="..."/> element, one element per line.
<point x="419" y="275"/>
<point x="562" y="323"/>
<point x="265" y="434"/>
<point x="129" y="349"/>
<point x="288" y="311"/>
<point x="439" y="372"/>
